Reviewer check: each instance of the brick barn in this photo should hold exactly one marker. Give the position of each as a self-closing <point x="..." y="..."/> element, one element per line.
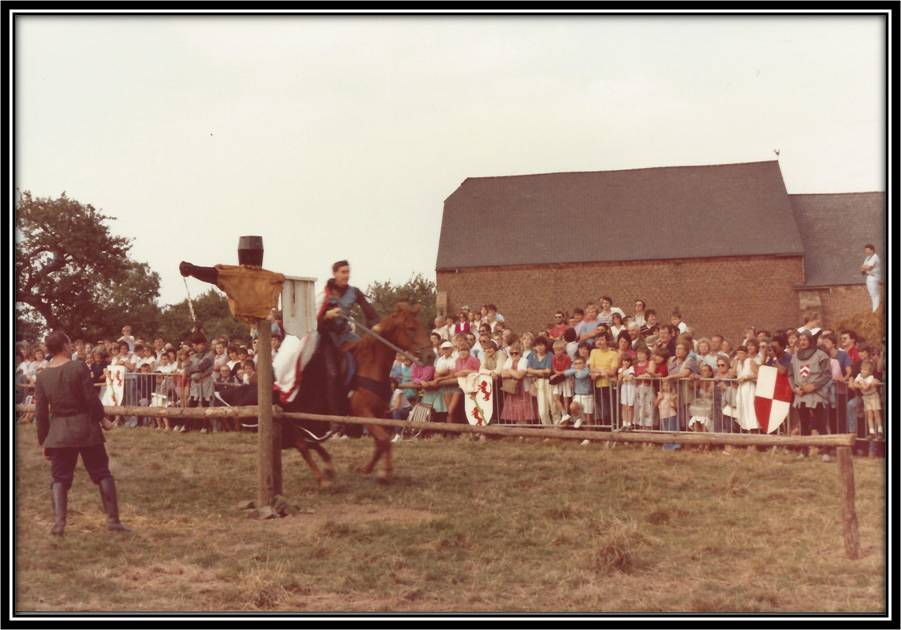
<point x="724" y="243"/>
<point x="834" y="229"/>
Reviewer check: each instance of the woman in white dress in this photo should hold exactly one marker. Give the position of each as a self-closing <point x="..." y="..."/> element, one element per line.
<point x="748" y="356"/>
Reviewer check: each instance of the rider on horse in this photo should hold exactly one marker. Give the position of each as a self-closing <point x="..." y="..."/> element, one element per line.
<point x="336" y="334"/>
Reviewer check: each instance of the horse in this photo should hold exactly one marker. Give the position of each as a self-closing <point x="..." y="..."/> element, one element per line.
<point x="369" y="399"/>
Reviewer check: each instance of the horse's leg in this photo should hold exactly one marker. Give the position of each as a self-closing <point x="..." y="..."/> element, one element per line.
<point x="382" y="448"/>
<point x="302" y="448"/>
<point x="377" y="434"/>
<point x="329" y="467"/>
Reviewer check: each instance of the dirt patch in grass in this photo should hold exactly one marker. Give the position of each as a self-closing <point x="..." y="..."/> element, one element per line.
<point x="343" y="518"/>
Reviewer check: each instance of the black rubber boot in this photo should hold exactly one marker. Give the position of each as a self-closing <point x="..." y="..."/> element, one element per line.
<point x="111" y="505"/>
<point x="60" y="497"/>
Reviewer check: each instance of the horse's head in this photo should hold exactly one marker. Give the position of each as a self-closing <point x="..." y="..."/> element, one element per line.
<point x="403" y="328"/>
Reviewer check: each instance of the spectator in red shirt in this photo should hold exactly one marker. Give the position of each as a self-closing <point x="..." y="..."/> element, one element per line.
<point x="849" y="345"/>
<point x="560" y="325"/>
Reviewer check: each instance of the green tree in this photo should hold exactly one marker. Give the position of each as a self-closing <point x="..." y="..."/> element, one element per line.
<point x="72" y="273"/>
<point x="211" y="309"/>
<point x="417" y="290"/>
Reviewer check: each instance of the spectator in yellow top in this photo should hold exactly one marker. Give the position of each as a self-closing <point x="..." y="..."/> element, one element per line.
<point x="603" y="363"/>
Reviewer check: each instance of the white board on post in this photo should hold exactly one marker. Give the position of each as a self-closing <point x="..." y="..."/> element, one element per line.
<point x="299" y="305"/>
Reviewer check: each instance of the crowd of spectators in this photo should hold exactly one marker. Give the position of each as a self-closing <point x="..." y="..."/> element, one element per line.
<point x="157" y="371"/>
<point x="593" y="366"/>
<point x="599" y="366"/>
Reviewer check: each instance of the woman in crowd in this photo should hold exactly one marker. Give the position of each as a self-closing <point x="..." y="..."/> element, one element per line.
<point x="539" y="366"/>
<point x="517" y="406"/>
<point x="461" y="324"/>
<point x="436" y="341"/>
<point x="746" y="374"/>
<point x="445" y="365"/>
<point x="472" y="343"/>
<point x="422" y="376"/>
<point x="705" y="355"/>
<point x="723" y="396"/>
<point x="624" y="346"/>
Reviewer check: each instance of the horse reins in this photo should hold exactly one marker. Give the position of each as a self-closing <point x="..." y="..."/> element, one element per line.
<point x="384" y="341"/>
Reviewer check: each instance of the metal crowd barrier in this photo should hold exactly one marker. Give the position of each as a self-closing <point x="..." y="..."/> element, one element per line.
<point x="713" y="405"/>
<point x="158" y="389"/>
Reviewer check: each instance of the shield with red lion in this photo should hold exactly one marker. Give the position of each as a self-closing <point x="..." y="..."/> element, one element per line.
<point x="478" y="399"/>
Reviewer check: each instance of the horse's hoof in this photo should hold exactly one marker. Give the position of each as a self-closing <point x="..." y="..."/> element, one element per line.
<point x="329" y="474"/>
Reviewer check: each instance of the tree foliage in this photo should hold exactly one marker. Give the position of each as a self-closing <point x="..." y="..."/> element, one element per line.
<point x="72" y="273"/>
<point x="417" y="290"/>
<point x="211" y="309"/>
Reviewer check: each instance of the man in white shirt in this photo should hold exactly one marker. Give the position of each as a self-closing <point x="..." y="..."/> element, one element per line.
<point x="872" y="270"/>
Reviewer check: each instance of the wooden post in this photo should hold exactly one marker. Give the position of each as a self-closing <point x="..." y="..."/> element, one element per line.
<point x="849" y="514"/>
<point x="270" y="447"/>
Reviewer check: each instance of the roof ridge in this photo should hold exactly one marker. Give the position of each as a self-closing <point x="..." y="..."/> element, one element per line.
<point x="622" y="170"/>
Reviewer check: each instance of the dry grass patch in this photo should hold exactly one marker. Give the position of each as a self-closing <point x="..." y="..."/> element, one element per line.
<point x="481" y="526"/>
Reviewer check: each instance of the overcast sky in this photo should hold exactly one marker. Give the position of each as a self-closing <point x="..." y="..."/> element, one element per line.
<point x="338" y="137"/>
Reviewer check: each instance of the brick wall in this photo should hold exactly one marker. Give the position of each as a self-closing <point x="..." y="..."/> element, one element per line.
<point x="842" y="302"/>
<point x="715" y="295"/>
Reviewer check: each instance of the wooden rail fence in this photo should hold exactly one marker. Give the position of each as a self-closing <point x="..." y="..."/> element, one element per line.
<point x="841" y="443"/>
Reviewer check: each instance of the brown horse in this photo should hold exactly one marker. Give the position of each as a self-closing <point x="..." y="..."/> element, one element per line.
<point x="374" y="360"/>
<point x="369" y="400"/>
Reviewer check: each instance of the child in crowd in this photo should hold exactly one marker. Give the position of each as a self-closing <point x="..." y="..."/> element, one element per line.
<point x="561" y="384"/>
<point x="701" y="407"/>
<point x="572" y="343"/>
<point x="401" y="399"/>
<point x="626" y="379"/>
<point x="250" y="372"/>
<point x="644" y="391"/>
<point x="582" y="406"/>
<point x="666" y="405"/>
<point x="145" y="387"/>
<point x="866" y="384"/>
<point x="660" y="363"/>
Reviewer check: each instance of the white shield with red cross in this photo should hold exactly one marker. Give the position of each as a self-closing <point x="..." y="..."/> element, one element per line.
<point x="773" y="398"/>
<point x="479" y="402"/>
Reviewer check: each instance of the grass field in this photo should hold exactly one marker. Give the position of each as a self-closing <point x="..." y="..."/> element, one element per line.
<point x="465" y="526"/>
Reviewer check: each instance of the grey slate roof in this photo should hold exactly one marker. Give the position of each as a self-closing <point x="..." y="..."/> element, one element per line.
<point x="834" y="229"/>
<point x="643" y="214"/>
